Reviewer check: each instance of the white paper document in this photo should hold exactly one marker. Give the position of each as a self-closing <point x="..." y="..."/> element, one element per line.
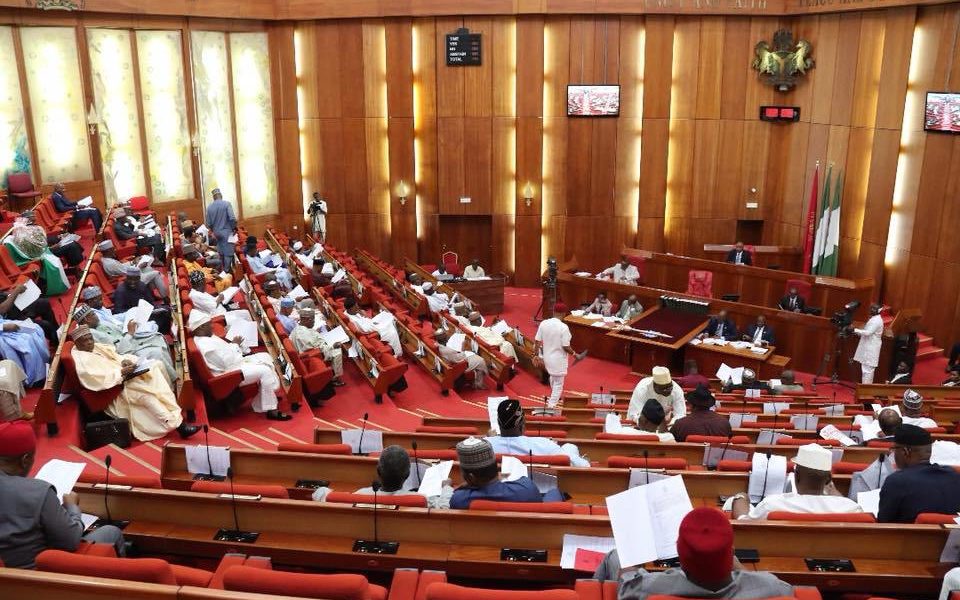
<point x="945" y="453"/>
<point x="512" y="469"/>
<point x="29" y="295"/>
<point x="775" y="408"/>
<point x="611" y="423"/>
<point x="645" y="477"/>
<point x="246" y="330"/>
<point x="834" y="410"/>
<point x="726" y="373"/>
<point x="646" y="520"/>
<point x="433" y="478"/>
<point x="455" y="342"/>
<point x="217" y="464"/>
<point x="501" y="327"/>
<point x="362" y="441"/>
<point x="713" y="454"/>
<point x="340" y="274"/>
<point x="297" y="293"/>
<point x="202" y="230"/>
<point x="870" y="430"/>
<point x="751" y="393"/>
<point x="62" y="475"/>
<point x="85" y="202"/>
<point x="767" y="476"/>
<point x="738" y="419"/>
<point x="335" y="336"/>
<point x="229" y="293"/>
<point x="572" y="543"/>
<point x="805" y="422"/>
<point x="602" y="398"/>
<point x="830" y="432"/>
<point x="139" y="313"/>
<point x="951" y="550"/>
<point x="88" y="520"/>
<point x="769" y="437"/>
<point x="869" y="501"/>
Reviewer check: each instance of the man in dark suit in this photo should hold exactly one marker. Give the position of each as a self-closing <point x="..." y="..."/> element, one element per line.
<point x="739" y="256"/>
<point x="759" y="333"/>
<point x="917" y="486"/>
<point x="720" y="327"/>
<point x="80" y="214"/>
<point x="793" y="302"/>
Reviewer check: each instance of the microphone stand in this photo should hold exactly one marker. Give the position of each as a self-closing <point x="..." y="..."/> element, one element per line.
<point x="235" y="535"/>
<point x="375" y="546"/>
<point x="208" y="476"/>
<point x="416" y="464"/>
<point x="363" y="429"/>
<point x="107" y="461"/>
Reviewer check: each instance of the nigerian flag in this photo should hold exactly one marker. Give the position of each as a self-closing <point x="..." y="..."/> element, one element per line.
<point x="823" y="225"/>
<point x="831" y="246"/>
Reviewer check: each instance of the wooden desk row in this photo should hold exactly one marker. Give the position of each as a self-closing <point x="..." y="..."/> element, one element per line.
<point x="901" y="558"/>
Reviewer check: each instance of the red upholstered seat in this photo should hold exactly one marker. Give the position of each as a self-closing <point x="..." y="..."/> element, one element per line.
<point x="314" y="448"/>
<point x="410" y="500"/>
<point x="138" y="481"/>
<point x="803" y="288"/>
<point x="144" y="570"/>
<point x="547" y="433"/>
<point x="800" y="593"/>
<point x="94" y="400"/>
<point x="935" y="519"/>
<point x="700" y="283"/>
<point x="565" y="508"/>
<point x="19" y="185"/>
<point x="782" y="515"/>
<point x="627" y="437"/>
<point x="717" y="439"/>
<point x="223" y="487"/>
<point x="561" y="460"/>
<point x="790" y="441"/>
<point x="444" y="429"/>
<point x="738" y="466"/>
<point x="448" y="591"/>
<point x="879" y="444"/>
<point x="848" y="468"/>
<point x="304" y="585"/>
<point x="675" y="464"/>
<point x="768" y="425"/>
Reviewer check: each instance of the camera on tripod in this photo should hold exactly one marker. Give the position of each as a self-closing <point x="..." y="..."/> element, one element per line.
<point x="552" y="271"/>
<point x="843" y="319"/>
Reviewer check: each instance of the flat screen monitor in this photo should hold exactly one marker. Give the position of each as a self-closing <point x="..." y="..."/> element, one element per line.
<point x="593" y="100"/>
<point x="942" y="112"/>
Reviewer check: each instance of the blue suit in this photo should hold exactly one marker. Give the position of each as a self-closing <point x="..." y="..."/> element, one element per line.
<point x="729" y="328"/>
<point x="766" y="336"/>
<point x="921" y="488"/>
<point x="222" y="222"/>
<point x="62" y="204"/>
<point x="520" y="490"/>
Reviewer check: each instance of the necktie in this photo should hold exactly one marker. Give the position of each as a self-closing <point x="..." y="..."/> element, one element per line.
<point x="720" y="330"/>
<point x="738" y="257"/>
<point x="758" y="336"/>
<point x="793" y="301"/>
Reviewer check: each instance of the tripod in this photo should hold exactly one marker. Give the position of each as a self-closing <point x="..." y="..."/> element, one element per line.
<point x="834" y="356"/>
<point x="548" y="299"/>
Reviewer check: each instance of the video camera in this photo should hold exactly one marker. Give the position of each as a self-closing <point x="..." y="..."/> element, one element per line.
<point x="842" y="319"/>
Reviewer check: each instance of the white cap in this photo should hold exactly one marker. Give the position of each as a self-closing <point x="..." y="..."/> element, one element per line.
<point x="427" y="286"/>
<point x="661" y="375"/>
<point x="814" y="456"/>
<point x="197" y="318"/>
<point x="327" y="269"/>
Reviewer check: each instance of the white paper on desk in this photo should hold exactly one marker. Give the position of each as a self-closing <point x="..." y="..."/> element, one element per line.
<point x="870" y="431"/>
<point x="340" y="274"/>
<point x="597" y="324"/>
<point x="85" y="201"/>
<point x="724" y="373"/>
<point x="605" y="398"/>
<point x="383" y="318"/>
<point x="229" y="293"/>
<point x="236" y="316"/>
<point x="945" y="453"/>
<point x="362" y="441"/>
<point x="951" y="550"/>
<point x="433" y="478"/>
<point x="233" y="239"/>
<point x="834" y="410"/>
<point x="29" y="296"/>
<point x="830" y="432"/>
<point x="456" y="341"/>
<point x="738" y="419"/>
<point x="611" y="423"/>
<point x="572" y="543"/>
<point x="139" y="313"/>
<point x="218" y="463"/>
<point x="773" y="383"/>
<point x="512" y="469"/>
<point x="335" y="336"/>
<point x="740" y="345"/>
<point x="713" y="454"/>
<point x="583" y="274"/>
<point x="751" y="393"/>
<point x="88" y="520"/>
<point x="611" y="320"/>
<point x="805" y="422"/>
<point x="62" y="475"/>
<point x="775" y="408"/>
<point x="646" y="520"/>
<point x="640" y="476"/>
<point x="244" y="286"/>
<point x="354" y="350"/>
<point x="758" y="349"/>
<point x="492" y="403"/>
<point x="576" y="313"/>
<point x="501" y="327"/>
<point x="696" y="342"/>
<point x="247" y="330"/>
<point x="593" y="317"/>
<point x="767" y="476"/>
<point x="768" y="437"/>
<point x="869" y="501"/>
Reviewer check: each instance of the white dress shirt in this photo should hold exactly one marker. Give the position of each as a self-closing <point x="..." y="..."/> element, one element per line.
<point x="801" y="503"/>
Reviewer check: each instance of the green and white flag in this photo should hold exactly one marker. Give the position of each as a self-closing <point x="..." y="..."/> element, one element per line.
<point x="822" y="224"/>
<point x="831" y="247"/>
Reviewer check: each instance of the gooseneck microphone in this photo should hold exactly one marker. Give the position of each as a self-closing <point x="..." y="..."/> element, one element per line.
<point x="376" y="489"/>
<point x="880" y="472"/>
<point x="416" y="462"/>
<point x="646" y="467"/>
<point x="108" y="460"/>
<point x="363" y="429"/>
<point x="235" y="534"/>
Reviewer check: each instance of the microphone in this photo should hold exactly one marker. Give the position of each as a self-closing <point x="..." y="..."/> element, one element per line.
<point x="376" y="488"/>
<point x="646" y="467"/>
<point x="209" y="476"/>
<point x="363" y="429"/>
<point x="233" y="500"/>
<point x="107" y="461"/>
<point x="375" y="546"/>
<point x="416" y="462"/>
<point x="235" y="534"/>
<point x="766" y="473"/>
<point x="724" y="450"/>
<point x="880" y="472"/>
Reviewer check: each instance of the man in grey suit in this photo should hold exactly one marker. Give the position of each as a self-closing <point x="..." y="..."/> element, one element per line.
<point x="222" y="223"/>
<point x="32" y="519"/>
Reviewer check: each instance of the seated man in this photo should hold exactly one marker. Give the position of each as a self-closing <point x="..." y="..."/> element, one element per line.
<point x="792" y="301"/>
<point x="393" y="470"/>
<point x="705" y="549"/>
<point x="115" y="268"/>
<point x="80" y="214"/>
<point x="127" y="227"/>
<point x="440" y="271"/>
<point x="652" y="420"/>
<point x="191" y="262"/>
<point x="759" y="334"/>
<point x="489" y="336"/>
<point x="474" y="270"/>
<point x="270" y="264"/>
<point x="203" y="300"/>
<point x="28" y="243"/>
<point x="917" y="486"/>
<point x="23" y="343"/>
<point x="478" y="466"/>
<point x="385" y="328"/>
<point x="288" y="315"/>
<point x="691" y="376"/>
<point x="912" y="411"/>
<point x="222" y="356"/>
<point x="903" y="376"/>
<point x="144" y="344"/>
<point x="129" y="294"/>
<point x="39" y="312"/>
<point x="12" y="392"/>
<point x="513" y="441"/>
<point x="788" y="383"/>
<point x="146" y="399"/>
<point x="622" y="272"/>
<point x="437" y="301"/>
<point x="630" y="308"/>
<point x="476" y="367"/>
<point x="748" y="381"/>
<point x="305" y="338"/>
<point x="664" y="389"/>
<point x="600" y="306"/>
<point x="93" y="297"/>
<point x="874" y="474"/>
<point x="701" y="420"/>
<point x="320" y="273"/>
<point x="738" y="256"/>
<point x="720" y="327"/>
<point x="34" y="519"/>
<point x="815" y="492"/>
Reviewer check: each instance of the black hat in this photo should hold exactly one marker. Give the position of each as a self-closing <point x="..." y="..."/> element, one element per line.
<point x="251" y="240"/>
<point x="911" y="435"/>
<point x="653" y="411"/>
<point x="509" y="413"/>
<point x="701" y="397"/>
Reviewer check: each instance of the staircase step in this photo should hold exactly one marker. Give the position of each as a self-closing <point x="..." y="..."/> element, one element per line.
<point x="929" y="352"/>
<point x="924" y="341"/>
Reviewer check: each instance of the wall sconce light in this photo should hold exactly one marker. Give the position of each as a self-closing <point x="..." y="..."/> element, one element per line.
<point x="403" y="190"/>
<point x="528" y="192"/>
<point x="93" y="119"/>
<point x="195" y="144"/>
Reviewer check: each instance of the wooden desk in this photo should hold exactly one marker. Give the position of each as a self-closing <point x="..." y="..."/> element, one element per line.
<point x="709" y="357"/>
<point x="487" y="293"/>
<point x="787" y="258"/>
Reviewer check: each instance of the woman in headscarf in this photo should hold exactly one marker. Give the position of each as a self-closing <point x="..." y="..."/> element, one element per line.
<point x="28" y="243"/>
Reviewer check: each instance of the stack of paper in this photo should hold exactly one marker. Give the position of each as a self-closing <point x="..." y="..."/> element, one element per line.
<point x="492" y="403"/>
<point x="455" y="342"/>
<point x="830" y="432"/>
<point x="140" y="314"/>
<point x="646" y="520"/>
<point x="62" y="475"/>
<point x="246" y="330"/>
<point x="725" y="373"/>
<point x="767" y="476"/>
<point x="335" y="336"/>
<point x="210" y="460"/>
<point x="501" y="327"/>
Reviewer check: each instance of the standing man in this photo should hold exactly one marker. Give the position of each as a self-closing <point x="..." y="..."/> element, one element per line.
<point x="868" y="350"/>
<point x="552" y="347"/>
<point x="739" y="256"/>
<point x="318" y="215"/>
<point x="222" y="223"/>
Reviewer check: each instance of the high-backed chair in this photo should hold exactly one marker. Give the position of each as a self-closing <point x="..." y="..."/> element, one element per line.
<point x="20" y="186"/>
<point x="803" y="288"/>
<point x="700" y="283"/>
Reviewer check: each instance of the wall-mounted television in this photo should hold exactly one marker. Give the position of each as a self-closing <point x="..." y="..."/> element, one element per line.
<point x="942" y="112"/>
<point x="593" y="100"/>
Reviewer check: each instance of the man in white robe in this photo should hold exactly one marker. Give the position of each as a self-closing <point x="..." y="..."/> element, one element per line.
<point x="437" y="301"/>
<point x="513" y="438"/>
<point x="305" y="338"/>
<point x="476" y="367"/>
<point x="552" y="348"/>
<point x="661" y="387"/>
<point x="622" y="272"/>
<point x="146" y="400"/>
<point x="384" y="327"/>
<point x="146" y="345"/>
<point x="201" y="299"/>
<point x="868" y="350"/>
<point x="489" y="336"/>
<point x="222" y="356"/>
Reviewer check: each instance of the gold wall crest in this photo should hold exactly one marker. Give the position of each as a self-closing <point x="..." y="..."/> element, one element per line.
<point x="58" y="4"/>
<point x="785" y="63"/>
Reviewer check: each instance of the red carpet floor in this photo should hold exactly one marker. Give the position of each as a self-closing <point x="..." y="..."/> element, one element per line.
<point x="353" y="401"/>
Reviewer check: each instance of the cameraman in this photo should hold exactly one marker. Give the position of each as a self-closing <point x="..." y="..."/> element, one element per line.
<point x="871" y="338"/>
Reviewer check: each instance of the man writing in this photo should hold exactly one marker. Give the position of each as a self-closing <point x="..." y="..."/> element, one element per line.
<point x="652" y="420"/>
<point x="622" y="272"/>
<point x="512" y="439"/>
<point x="129" y="294"/>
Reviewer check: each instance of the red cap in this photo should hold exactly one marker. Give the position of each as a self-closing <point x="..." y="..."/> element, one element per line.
<point x="16" y="438"/>
<point x="705" y="546"/>
<point x="560" y="307"/>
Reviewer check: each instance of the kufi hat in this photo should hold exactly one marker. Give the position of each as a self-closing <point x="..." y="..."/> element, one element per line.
<point x="197" y="318"/>
<point x="287" y="302"/>
<point x="814" y="456"/>
<point x="912" y="399"/>
<point x="79" y="332"/>
<point x="80" y="312"/>
<point x="475" y="453"/>
<point x="91" y="292"/>
<point x="705" y="546"/>
<point x="661" y="376"/>
<point x="197" y="276"/>
<point x="131" y="271"/>
<point x="105" y="245"/>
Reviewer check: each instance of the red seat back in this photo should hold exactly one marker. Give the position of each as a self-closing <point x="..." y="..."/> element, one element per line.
<point x="314" y="448"/>
<point x="409" y="500"/>
<point x="144" y="570"/>
<point x="935" y="519"/>
<point x="303" y="585"/>
<point x="803" y="288"/>
<point x="674" y="464"/>
<point x="717" y="439"/>
<point x="861" y="517"/>
<point x="18" y="183"/>
<point x="565" y="508"/>
<point x="224" y="487"/>
<point x="700" y="283"/>
<point x="628" y="437"/>
<point x="560" y="460"/>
